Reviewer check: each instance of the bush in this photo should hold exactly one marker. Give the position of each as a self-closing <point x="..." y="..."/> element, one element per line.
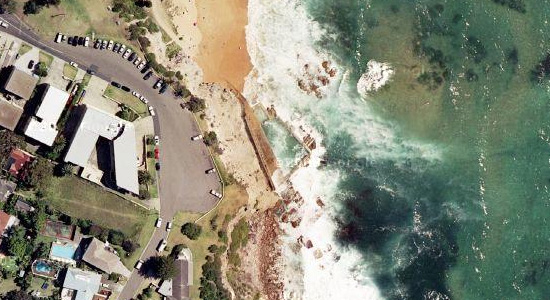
<point x="196" y="104"/>
<point x="114" y="277"/>
<point x="211" y="139"/>
<point x="63" y="169"/>
<point x="150" y="154"/>
<point x="144" y="42"/>
<point x="116" y="237"/>
<point x="129" y="246"/>
<point x="144" y="194"/>
<point x="161" y="267"/>
<point x="144" y="177"/>
<point x="191" y="230"/>
<point x="42" y="70"/>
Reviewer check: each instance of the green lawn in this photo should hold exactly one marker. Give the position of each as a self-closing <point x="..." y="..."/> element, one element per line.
<point x="69" y="71"/>
<point x="153" y="189"/>
<point x="142" y="239"/>
<point x="172" y="49"/>
<point x="24" y="49"/>
<point x="7" y="285"/>
<point x="36" y="285"/>
<point x="8" y="263"/>
<point x="86" y="79"/>
<point x="45" y="58"/>
<point x="126" y="98"/>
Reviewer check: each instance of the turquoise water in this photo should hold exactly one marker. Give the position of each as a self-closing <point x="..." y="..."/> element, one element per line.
<point x="42" y="267"/>
<point x="472" y="221"/>
<point x="63" y="251"/>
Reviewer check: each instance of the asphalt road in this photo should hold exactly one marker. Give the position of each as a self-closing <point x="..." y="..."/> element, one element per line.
<point x="184" y="186"/>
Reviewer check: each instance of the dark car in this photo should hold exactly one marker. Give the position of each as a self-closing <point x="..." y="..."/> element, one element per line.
<point x="31" y="64"/>
<point x="148" y="75"/>
<point x="96" y="44"/>
<point x="81" y="41"/>
<point x="75" y="40"/>
<point x="125" y="88"/>
<point x="91" y="72"/>
<point x="132" y="56"/>
<point x="145" y="69"/>
<point x="157" y="166"/>
<point x="163" y="88"/>
<point x="70" y="40"/>
<point x="115" y="84"/>
<point x="116" y="47"/>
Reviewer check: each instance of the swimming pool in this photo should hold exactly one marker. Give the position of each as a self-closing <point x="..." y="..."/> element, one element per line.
<point x="64" y="251"/>
<point x="42" y="267"/>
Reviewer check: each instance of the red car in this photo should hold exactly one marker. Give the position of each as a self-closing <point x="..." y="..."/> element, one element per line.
<point x="157" y="153"/>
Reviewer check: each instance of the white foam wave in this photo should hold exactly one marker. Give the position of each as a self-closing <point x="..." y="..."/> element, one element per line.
<point x="281" y="40"/>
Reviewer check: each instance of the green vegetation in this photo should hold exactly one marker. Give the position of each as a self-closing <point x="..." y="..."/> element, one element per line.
<point x="7" y="6"/>
<point x="172" y="50"/>
<point x="69" y="71"/>
<point x="57" y="148"/>
<point x="128" y="10"/>
<point x="86" y="79"/>
<point x="239" y="238"/>
<point x="45" y="59"/>
<point x="162" y="267"/>
<point x="39" y="174"/>
<point x="152" y="187"/>
<point x="42" y="70"/>
<point x="8" y="141"/>
<point x="517" y="5"/>
<point x="191" y="230"/>
<point x="210" y="138"/>
<point x="34" y="6"/>
<point x="24" y="49"/>
<point x="126" y="113"/>
<point x="196" y="104"/>
<point x="211" y="281"/>
<point x="127" y="99"/>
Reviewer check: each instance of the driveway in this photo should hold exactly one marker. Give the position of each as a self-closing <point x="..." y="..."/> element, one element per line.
<point x="184" y="186"/>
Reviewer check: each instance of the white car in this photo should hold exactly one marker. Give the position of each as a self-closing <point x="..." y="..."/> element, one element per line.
<point x="137" y="61"/>
<point x="87" y="41"/>
<point x="168" y="226"/>
<point x="3" y="24"/>
<point x="141" y="65"/>
<point x="210" y="171"/>
<point x="136" y="94"/>
<point x="143" y="99"/>
<point x="158" y="223"/>
<point x="138" y="264"/>
<point x="127" y="53"/>
<point x="162" y="245"/>
<point x="151" y="111"/>
<point x="110" y="46"/>
<point x="157" y="140"/>
<point x="122" y="48"/>
<point x="216" y="194"/>
<point x="196" y="137"/>
<point x="74" y="64"/>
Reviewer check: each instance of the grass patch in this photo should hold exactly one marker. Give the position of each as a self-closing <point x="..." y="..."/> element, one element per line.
<point x="165" y="37"/>
<point x="7" y="285"/>
<point x="24" y="49"/>
<point x="142" y="239"/>
<point x="45" y="58"/>
<point x="239" y="238"/>
<point x="127" y="99"/>
<point x="69" y="71"/>
<point x="86" y="79"/>
<point x="172" y="50"/>
<point x="153" y="188"/>
<point x="226" y="177"/>
<point x="235" y="197"/>
<point x="36" y="285"/>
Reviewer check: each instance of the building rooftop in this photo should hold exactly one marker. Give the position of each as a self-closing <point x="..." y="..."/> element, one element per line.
<point x="6" y="221"/>
<point x="6" y="189"/>
<point x="43" y="127"/>
<point x="23" y="206"/>
<point x="180" y="283"/>
<point x="85" y="283"/>
<point x="20" y="84"/>
<point x="96" y="123"/>
<point x="99" y="255"/>
<point x="17" y="160"/>
<point x="9" y="114"/>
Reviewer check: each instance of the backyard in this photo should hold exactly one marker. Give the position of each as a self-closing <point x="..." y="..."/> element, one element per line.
<point x="127" y="99"/>
<point x="84" y="200"/>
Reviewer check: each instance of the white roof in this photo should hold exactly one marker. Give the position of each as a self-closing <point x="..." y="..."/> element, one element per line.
<point x="85" y="283"/>
<point x="43" y="127"/>
<point x="40" y="131"/>
<point x="96" y="123"/>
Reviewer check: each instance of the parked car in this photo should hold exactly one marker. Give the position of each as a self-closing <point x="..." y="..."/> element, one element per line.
<point x="210" y="171"/>
<point x="31" y="64"/>
<point x="138" y="265"/>
<point x="122" y="48"/>
<point x="145" y="69"/>
<point x="196" y="137"/>
<point x="137" y="61"/>
<point x="97" y="43"/>
<point x="216" y="194"/>
<point x="156" y="138"/>
<point x="74" y="64"/>
<point x="127" y="53"/>
<point x="81" y="41"/>
<point x="157" y="166"/>
<point x="110" y="45"/>
<point x="158" y="84"/>
<point x="148" y="75"/>
<point x="135" y="94"/>
<point x="168" y="226"/>
<point x="116" y="84"/>
<point x="63" y="37"/>
<point x="132" y="56"/>
<point x="4" y="24"/>
<point x="141" y="65"/>
<point x="58" y="37"/>
<point x="157" y="153"/>
<point x="143" y="99"/>
<point x="87" y="41"/>
<point x="103" y="44"/>
<point x="151" y="111"/>
<point x="90" y="71"/>
<point x="75" y="41"/>
<point x="116" y="47"/>
<point x="158" y="222"/>
<point x="125" y="88"/>
<point x="163" y="88"/>
<point x="161" y="245"/>
<point x="70" y="40"/>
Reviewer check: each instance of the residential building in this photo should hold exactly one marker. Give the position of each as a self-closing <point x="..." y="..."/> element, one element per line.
<point x="101" y="256"/>
<point x="6" y="222"/>
<point x="17" y="161"/>
<point x="96" y="124"/>
<point x="23" y="206"/>
<point x="20" y="84"/>
<point x="6" y="189"/>
<point x="178" y="287"/>
<point x="43" y="126"/>
<point x="80" y="285"/>
<point x="9" y="114"/>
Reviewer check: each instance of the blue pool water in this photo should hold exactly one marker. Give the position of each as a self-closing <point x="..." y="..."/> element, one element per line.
<point x="42" y="267"/>
<point x="63" y="251"/>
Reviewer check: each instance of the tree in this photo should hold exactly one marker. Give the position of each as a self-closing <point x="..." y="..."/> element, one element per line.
<point x="7" y="6"/>
<point x="211" y="139"/>
<point x="196" y="104"/>
<point x="63" y="169"/>
<point x="39" y="173"/>
<point x="129" y="246"/>
<point x="144" y="177"/>
<point x="42" y="70"/>
<point x="163" y="267"/>
<point x="148" y="292"/>
<point x="57" y="148"/>
<point x="8" y="141"/>
<point x="30" y="8"/>
<point x="17" y="295"/>
<point x="116" y="237"/>
<point x="144" y="42"/>
<point x="17" y="244"/>
<point x="144" y="194"/>
<point x="136" y="31"/>
<point x="39" y="217"/>
<point x="191" y="230"/>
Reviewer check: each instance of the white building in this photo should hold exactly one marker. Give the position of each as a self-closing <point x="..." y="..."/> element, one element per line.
<point x="80" y="285"/>
<point x="43" y="126"/>
<point x="96" y="123"/>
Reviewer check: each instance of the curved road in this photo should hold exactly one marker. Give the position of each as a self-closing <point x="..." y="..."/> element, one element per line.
<point x="184" y="186"/>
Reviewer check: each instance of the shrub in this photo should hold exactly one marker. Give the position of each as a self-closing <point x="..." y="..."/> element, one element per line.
<point x="211" y="139"/>
<point x="116" y="237"/>
<point x="144" y="177"/>
<point x="144" y="42"/>
<point x="191" y="230"/>
<point x="196" y="104"/>
<point x="129" y="246"/>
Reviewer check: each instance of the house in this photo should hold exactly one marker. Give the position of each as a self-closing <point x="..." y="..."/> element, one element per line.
<point x="23" y="206"/>
<point x="178" y="287"/>
<point x="80" y="285"/>
<point x="102" y="257"/>
<point x="9" y="114"/>
<point x="96" y="124"/>
<point x="17" y="161"/>
<point x="6" y="189"/>
<point x="42" y="127"/>
<point x="6" y="222"/>
<point x="20" y="84"/>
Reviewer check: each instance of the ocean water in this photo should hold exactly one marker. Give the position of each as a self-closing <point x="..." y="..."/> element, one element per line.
<point x="435" y="186"/>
